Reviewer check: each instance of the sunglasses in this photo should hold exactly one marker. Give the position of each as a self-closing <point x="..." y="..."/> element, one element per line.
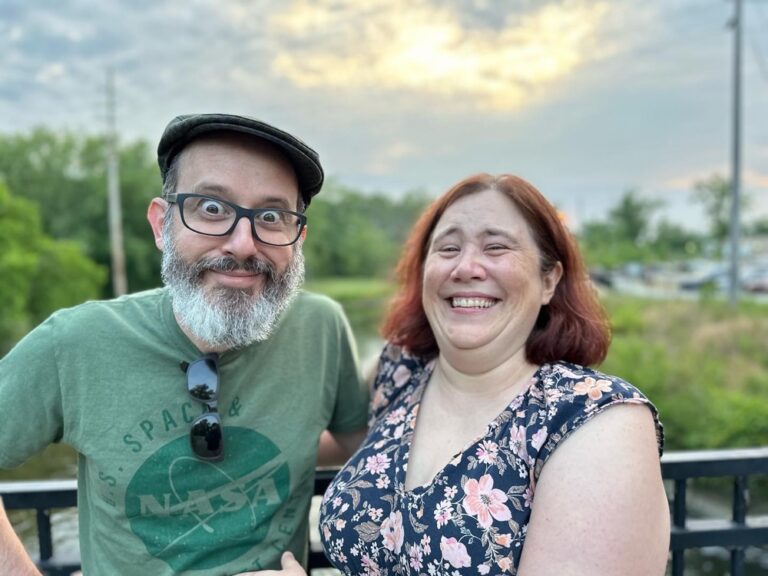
<point x="206" y="437"/>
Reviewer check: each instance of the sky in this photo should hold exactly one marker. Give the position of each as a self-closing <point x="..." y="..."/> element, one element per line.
<point x="586" y="99"/>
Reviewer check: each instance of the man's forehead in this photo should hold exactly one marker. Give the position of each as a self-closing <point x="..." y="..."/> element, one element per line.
<point x="223" y="164"/>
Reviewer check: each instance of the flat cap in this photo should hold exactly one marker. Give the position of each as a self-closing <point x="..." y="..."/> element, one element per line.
<point x="183" y="129"/>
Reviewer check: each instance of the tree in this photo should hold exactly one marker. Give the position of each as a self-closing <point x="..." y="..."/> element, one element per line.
<point x="632" y="217"/>
<point x="65" y="175"/>
<point x="714" y="193"/>
<point x="39" y="274"/>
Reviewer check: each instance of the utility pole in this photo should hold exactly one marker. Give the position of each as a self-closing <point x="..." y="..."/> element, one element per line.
<point x="119" y="281"/>
<point x="735" y="252"/>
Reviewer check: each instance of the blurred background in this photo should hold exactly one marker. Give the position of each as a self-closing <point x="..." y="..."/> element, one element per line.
<point x="643" y="122"/>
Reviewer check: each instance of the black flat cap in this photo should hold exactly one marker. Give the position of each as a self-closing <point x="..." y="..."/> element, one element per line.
<point x="182" y="129"/>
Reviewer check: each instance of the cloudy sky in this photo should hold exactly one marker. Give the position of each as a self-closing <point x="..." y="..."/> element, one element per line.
<point x="584" y="98"/>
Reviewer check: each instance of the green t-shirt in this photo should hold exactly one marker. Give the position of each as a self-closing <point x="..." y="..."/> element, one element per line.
<point x="105" y="377"/>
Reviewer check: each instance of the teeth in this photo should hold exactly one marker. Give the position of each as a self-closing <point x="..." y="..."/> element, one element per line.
<point x="472" y="302"/>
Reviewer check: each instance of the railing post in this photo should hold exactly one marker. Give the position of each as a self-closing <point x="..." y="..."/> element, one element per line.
<point x="740" y="496"/>
<point x="679" y="512"/>
<point x="44" y="537"/>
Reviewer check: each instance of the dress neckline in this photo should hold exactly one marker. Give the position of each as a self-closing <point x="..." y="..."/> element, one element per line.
<point x="422" y="378"/>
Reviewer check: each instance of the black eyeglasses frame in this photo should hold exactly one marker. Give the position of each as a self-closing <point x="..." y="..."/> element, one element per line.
<point x="240" y="212"/>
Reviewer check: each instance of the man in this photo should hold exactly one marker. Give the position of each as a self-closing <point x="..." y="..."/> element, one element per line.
<point x="196" y="408"/>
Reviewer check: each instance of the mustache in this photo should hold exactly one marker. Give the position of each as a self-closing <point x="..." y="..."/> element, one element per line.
<point x="252" y="265"/>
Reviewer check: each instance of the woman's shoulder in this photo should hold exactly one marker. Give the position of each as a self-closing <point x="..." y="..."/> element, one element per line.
<point x="564" y="382"/>
<point x="398" y="370"/>
<point x="565" y="396"/>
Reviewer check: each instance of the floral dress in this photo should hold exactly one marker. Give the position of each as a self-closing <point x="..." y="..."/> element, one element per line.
<point x="472" y="518"/>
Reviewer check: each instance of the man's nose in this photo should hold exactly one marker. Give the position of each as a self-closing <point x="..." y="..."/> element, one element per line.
<point x="241" y="243"/>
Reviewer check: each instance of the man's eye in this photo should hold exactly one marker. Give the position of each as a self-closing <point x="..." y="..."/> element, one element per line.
<point x="211" y="208"/>
<point x="270" y="217"/>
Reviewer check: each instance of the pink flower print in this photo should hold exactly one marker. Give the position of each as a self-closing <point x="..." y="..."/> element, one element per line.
<point x="517" y="442"/>
<point x="340" y="524"/>
<point x="503" y="539"/>
<point x="377" y="463"/>
<point x="443" y="513"/>
<point x="484" y="569"/>
<point x="592" y="388"/>
<point x="505" y="564"/>
<point x="485" y="501"/>
<point x="382" y="482"/>
<point x="416" y="557"/>
<point x="455" y="552"/>
<point x="401" y="376"/>
<point x="337" y="502"/>
<point x="375" y="513"/>
<point x="487" y="452"/>
<point x="371" y="568"/>
<point x="528" y="497"/>
<point x="538" y="438"/>
<point x="396" y="416"/>
<point x="450" y="491"/>
<point x="425" y="541"/>
<point x="392" y="532"/>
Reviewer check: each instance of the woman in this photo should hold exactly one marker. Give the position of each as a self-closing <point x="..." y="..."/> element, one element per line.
<point x="491" y="449"/>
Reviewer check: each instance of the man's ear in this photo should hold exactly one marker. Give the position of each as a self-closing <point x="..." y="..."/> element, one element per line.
<point x="155" y="216"/>
<point x="303" y="234"/>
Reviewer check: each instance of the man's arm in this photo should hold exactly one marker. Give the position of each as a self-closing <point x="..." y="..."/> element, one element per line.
<point x="13" y="557"/>
<point x="335" y="448"/>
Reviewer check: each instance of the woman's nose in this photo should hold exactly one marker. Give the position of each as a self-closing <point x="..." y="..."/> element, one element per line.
<point x="469" y="266"/>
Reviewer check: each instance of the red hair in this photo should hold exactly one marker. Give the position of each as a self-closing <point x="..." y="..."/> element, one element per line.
<point x="573" y="327"/>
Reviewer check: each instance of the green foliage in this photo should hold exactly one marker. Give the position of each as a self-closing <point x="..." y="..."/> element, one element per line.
<point x="39" y="274"/>
<point x="702" y="363"/>
<point x="351" y="234"/>
<point x="714" y="193"/>
<point x="65" y="175"/>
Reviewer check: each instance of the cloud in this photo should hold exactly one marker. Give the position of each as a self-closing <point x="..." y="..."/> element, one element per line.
<point x="51" y="73"/>
<point x="388" y="159"/>
<point x="423" y="47"/>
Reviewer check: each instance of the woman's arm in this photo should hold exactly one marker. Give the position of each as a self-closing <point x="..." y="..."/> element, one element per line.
<point x="599" y="507"/>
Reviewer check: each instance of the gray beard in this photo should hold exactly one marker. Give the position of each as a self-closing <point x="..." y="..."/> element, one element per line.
<point x="228" y="318"/>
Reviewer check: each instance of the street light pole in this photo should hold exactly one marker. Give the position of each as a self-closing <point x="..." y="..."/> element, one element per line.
<point x="733" y="291"/>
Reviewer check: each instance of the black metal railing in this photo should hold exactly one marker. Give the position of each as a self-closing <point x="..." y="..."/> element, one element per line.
<point x="736" y="533"/>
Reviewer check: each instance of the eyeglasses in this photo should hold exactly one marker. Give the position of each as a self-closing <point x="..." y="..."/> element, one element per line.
<point x="206" y="437"/>
<point x="216" y="217"/>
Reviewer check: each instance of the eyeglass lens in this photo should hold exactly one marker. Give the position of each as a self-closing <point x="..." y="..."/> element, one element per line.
<point x="206" y="436"/>
<point x="208" y="215"/>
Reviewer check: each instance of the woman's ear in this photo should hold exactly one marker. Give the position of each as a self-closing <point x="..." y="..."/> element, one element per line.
<point x="550" y="280"/>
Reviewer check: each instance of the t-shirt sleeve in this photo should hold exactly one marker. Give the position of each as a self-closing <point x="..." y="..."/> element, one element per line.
<point x="351" y="408"/>
<point x="30" y="396"/>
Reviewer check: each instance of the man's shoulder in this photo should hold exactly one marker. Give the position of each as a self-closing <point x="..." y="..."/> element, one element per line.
<point x="97" y="311"/>
<point x="315" y="302"/>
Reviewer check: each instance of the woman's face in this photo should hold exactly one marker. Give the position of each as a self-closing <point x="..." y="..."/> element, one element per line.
<point x="483" y="286"/>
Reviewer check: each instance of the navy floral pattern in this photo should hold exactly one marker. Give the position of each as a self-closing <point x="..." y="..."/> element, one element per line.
<point x="472" y="518"/>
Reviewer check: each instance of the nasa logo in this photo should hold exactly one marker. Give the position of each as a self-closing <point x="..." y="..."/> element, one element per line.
<point x="195" y="515"/>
